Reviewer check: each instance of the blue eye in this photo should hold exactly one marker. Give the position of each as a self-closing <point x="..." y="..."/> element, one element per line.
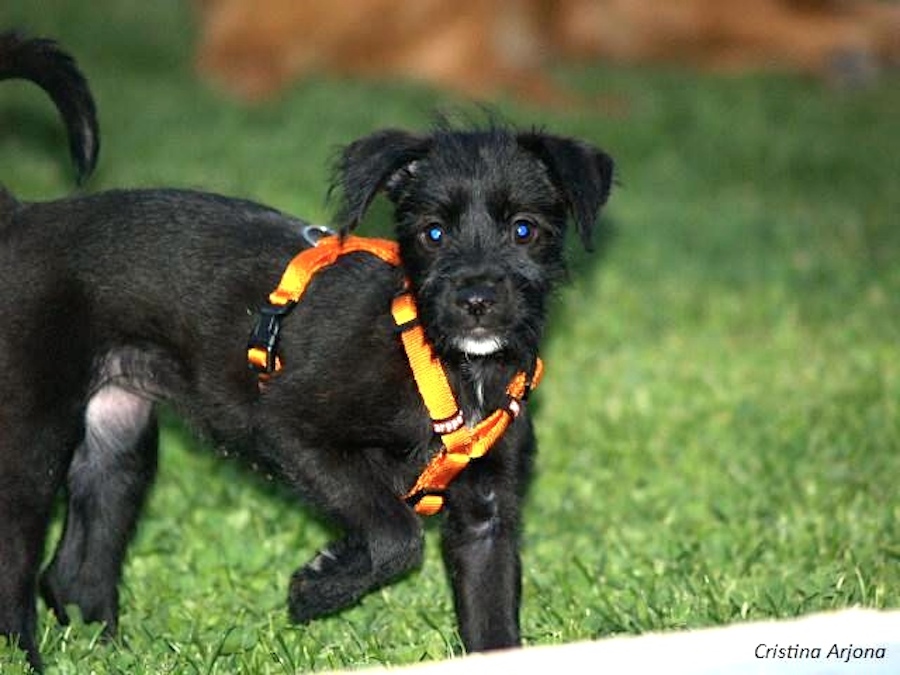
<point x="433" y="235"/>
<point x="524" y="231"/>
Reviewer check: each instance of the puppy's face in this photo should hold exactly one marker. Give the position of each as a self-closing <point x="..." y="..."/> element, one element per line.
<point x="480" y="227"/>
<point x="481" y="218"/>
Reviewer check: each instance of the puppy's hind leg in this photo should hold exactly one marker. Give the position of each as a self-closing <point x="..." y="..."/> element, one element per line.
<point x="24" y="515"/>
<point x="32" y="462"/>
<point x="108" y="481"/>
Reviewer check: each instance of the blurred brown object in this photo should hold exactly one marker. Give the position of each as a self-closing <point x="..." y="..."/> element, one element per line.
<point x="834" y="38"/>
<point x="476" y="47"/>
<point x="480" y="47"/>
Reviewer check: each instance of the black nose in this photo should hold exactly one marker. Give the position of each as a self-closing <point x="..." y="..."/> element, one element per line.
<point x="476" y="300"/>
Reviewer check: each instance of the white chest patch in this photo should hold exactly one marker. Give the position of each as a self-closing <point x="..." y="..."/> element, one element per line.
<point x="475" y="346"/>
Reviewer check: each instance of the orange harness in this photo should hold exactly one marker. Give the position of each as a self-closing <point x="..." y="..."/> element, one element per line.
<point x="460" y="443"/>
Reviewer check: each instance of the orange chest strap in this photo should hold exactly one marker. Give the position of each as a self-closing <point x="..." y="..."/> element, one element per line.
<point x="460" y="443"/>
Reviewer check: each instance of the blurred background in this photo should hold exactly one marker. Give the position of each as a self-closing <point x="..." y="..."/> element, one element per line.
<point x="480" y="47"/>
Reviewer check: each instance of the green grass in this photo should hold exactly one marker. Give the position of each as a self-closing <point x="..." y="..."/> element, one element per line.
<point x="719" y="422"/>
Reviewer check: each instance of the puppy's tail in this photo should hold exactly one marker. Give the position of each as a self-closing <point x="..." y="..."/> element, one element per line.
<point x="42" y="61"/>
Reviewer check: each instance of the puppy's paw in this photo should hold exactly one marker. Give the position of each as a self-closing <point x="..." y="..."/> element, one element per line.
<point x="52" y="595"/>
<point x="96" y="602"/>
<point x="335" y="579"/>
<point x="341" y="574"/>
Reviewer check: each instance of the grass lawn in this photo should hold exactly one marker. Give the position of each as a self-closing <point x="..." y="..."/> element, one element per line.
<point x="720" y="419"/>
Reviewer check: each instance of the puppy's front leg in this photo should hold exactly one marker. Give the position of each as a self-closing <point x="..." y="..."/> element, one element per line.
<point x="382" y="538"/>
<point x="481" y="546"/>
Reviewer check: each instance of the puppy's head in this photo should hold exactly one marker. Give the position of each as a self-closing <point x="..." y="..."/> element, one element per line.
<point x="481" y="217"/>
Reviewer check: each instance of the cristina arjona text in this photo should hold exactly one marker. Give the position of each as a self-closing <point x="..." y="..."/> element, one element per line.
<point x="835" y="652"/>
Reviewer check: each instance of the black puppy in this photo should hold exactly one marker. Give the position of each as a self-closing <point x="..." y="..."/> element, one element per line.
<point x="113" y="302"/>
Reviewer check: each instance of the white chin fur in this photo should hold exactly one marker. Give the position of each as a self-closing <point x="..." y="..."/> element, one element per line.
<point x="479" y="346"/>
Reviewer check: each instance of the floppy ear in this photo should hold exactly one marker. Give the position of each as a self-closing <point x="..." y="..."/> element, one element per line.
<point x="581" y="172"/>
<point x="368" y="166"/>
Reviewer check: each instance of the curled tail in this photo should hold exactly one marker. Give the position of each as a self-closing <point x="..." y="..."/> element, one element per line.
<point x="42" y="61"/>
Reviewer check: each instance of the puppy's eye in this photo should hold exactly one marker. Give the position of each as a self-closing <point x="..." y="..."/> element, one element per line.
<point x="524" y="231"/>
<point x="433" y="235"/>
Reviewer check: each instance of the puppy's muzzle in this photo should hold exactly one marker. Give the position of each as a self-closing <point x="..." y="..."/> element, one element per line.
<point x="479" y="296"/>
<point x="477" y="300"/>
<point x="481" y="310"/>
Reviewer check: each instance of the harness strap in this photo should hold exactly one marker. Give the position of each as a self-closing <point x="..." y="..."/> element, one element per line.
<point x="463" y="446"/>
<point x="460" y="444"/>
<point x="426" y="368"/>
<point x="296" y="277"/>
<point x="304" y="266"/>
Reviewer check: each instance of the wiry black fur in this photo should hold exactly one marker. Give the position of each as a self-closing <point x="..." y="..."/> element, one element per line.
<point x="113" y="302"/>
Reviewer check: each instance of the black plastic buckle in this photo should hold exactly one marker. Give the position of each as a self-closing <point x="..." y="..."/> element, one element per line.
<point x="264" y="335"/>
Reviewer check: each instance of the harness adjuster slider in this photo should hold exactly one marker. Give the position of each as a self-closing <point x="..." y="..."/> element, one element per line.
<point x="449" y="425"/>
<point x="513" y="406"/>
<point x="426" y="502"/>
<point x="263" y="341"/>
<point x="401" y="328"/>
